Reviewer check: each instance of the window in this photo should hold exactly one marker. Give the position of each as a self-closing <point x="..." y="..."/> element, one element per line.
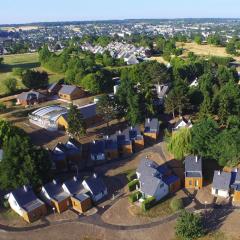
<point x="161" y="186"/>
<point x="190" y="182"/>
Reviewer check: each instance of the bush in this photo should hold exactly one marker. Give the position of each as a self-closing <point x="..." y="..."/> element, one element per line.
<point x="6" y="204"/>
<point x="133" y="185"/>
<point x="176" y="204"/>
<point x="135" y="196"/>
<point x="189" y="226"/>
<point x="131" y="176"/>
<point x="10" y="85"/>
<point x="148" y="203"/>
<point x="18" y="72"/>
<point x="2" y="107"/>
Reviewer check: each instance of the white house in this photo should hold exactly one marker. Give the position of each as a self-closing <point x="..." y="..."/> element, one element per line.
<point x="182" y="123"/>
<point x="221" y="184"/>
<point x="151" y="183"/>
<point x="96" y="187"/>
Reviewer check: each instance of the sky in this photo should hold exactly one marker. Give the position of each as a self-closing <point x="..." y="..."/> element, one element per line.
<point x="26" y="11"/>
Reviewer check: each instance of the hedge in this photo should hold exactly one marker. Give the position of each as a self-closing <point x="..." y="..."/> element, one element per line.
<point x="135" y="196"/>
<point x="148" y="203"/>
<point x="131" y="176"/>
<point x="133" y="185"/>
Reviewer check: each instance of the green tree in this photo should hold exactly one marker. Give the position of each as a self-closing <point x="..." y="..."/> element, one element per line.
<point x="18" y="72"/>
<point x="189" y="226"/>
<point x="23" y="164"/>
<point x="10" y="85"/>
<point x="203" y="135"/>
<point x="35" y="79"/>
<point x="44" y="54"/>
<point x="179" y="143"/>
<point x="105" y="108"/>
<point x="76" y="124"/>
<point x="225" y="147"/>
<point x="198" y="39"/>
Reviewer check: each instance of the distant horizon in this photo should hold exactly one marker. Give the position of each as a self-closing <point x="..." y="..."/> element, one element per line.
<point x="120" y="19"/>
<point x="25" y="11"/>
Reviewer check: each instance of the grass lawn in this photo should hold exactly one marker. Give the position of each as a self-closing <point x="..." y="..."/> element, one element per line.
<point x="8" y="214"/>
<point x="205" y="50"/>
<point x="25" y="61"/>
<point x="162" y="209"/>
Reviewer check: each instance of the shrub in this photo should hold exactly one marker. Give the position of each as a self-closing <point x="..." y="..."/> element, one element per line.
<point x="10" y="85"/>
<point x="189" y="226"/>
<point x="2" y="107"/>
<point x="131" y="176"/>
<point x="133" y="184"/>
<point x="176" y="204"/>
<point x="6" y="204"/>
<point x="135" y="196"/>
<point x="148" y="203"/>
<point x="18" y="72"/>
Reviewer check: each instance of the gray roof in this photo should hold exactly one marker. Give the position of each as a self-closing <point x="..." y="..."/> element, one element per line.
<point x="89" y="111"/>
<point x="28" y="95"/>
<point x="151" y="125"/>
<point x="149" y="185"/>
<point x="193" y="166"/>
<point x="67" y="89"/>
<point x="221" y="180"/>
<point x="96" y="185"/>
<point x="147" y="168"/>
<point x="55" y="191"/>
<point x="53" y="87"/>
<point x="27" y="199"/>
<point x="150" y="177"/>
<point x="74" y="186"/>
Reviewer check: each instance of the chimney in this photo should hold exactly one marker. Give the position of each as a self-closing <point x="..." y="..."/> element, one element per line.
<point x="196" y="159"/>
<point x="219" y="173"/>
<point x="25" y="188"/>
<point x="54" y="182"/>
<point x="94" y="142"/>
<point x="131" y="127"/>
<point x="94" y="175"/>
<point x="107" y="137"/>
<point x="119" y="132"/>
<point x="148" y="120"/>
<point x="74" y="178"/>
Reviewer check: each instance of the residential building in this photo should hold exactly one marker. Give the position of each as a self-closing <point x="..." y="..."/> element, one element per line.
<point x="30" y="98"/>
<point x="134" y="134"/>
<point x="25" y="203"/>
<point x="182" y="123"/>
<point x="151" y="129"/>
<point x="125" y="147"/>
<point x="97" y="150"/>
<point x="111" y="148"/>
<point x="193" y="172"/>
<point x="96" y="187"/>
<point x="59" y="158"/>
<point x="55" y="196"/>
<point x="80" y="200"/>
<point x="70" y="92"/>
<point x="54" y="88"/>
<point x="221" y="184"/>
<point x="151" y="183"/>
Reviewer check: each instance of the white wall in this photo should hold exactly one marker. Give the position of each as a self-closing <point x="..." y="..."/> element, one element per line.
<point x="220" y="193"/>
<point x="161" y="192"/>
<point x="14" y="205"/>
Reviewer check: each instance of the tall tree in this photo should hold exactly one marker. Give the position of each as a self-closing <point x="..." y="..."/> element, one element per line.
<point x="179" y="143"/>
<point x="35" y="79"/>
<point x="23" y="164"/>
<point x="105" y="108"/>
<point x="76" y="124"/>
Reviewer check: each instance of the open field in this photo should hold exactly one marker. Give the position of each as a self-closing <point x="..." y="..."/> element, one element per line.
<point x="23" y="28"/>
<point x="205" y="50"/>
<point x="25" y="61"/>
